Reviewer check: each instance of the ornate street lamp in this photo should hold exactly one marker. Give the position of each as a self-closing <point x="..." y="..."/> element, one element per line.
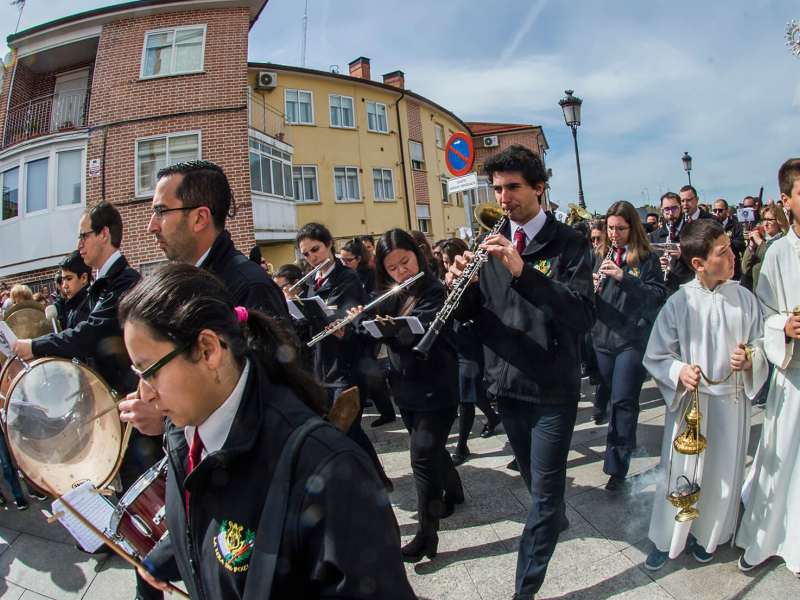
<point x="687" y="165"/>
<point x="571" y="105"/>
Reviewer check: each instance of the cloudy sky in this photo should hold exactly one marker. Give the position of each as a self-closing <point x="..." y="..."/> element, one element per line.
<point x="711" y="78"/>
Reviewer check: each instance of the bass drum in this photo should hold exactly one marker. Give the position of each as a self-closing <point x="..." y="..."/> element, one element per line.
<point x="48" y="410"/>
<point x="139" y="522"/>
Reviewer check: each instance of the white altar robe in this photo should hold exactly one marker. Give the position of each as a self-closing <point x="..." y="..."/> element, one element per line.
<point x="701" y="327"/>
<point x="771" y="522"/>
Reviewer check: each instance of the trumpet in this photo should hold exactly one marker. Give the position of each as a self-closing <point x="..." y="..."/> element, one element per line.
<point x="325" y="333"/>
<point x="602" y="277"/>
<point x="309" y="275"/>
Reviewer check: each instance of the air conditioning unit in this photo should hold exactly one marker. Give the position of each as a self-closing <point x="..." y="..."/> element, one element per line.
<point x="490" y="141"/>
<point x="267" y="80"/>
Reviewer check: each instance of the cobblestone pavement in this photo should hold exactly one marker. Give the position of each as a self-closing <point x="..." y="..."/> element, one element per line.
<point x="600" y="556"/>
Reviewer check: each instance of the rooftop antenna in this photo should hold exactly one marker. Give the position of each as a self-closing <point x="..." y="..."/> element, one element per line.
<point x="305" y="29"/>
<point x="21" y="4"/>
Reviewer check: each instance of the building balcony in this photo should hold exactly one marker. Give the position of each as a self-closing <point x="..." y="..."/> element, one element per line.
<point x="46" y="115"/>
<point x="275" y="219"/>
<point x="268" y="120"/>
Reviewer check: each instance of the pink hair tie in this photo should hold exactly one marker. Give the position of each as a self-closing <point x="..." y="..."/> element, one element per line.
<point x="241" y="314"/>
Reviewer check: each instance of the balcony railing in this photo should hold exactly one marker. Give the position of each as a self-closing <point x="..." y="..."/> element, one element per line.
<point x="269" y="120"/>
<point x="47" y="114"/>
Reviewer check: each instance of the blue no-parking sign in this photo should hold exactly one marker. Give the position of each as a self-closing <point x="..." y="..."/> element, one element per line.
<point x="459" y="154"/>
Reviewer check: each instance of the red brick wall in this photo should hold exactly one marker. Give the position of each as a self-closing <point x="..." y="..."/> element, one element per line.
<point x="414" y="121"/>
<point x="529" y="139"/>
<point x="421" y="192"/>
<point x="24" y="84"/>
<point x="49" y="274"/>
<point x="45" y="83"/>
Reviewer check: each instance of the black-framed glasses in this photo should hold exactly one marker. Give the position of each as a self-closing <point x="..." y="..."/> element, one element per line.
<point x="670" y="209"/>
<point x="689" y="199"/>
<point x="159" y="211"/>
<point x="154" y="368"/>
<point x="347" y="261"/>
<point x="84" y="234"/>
<point x="722" y="210"/>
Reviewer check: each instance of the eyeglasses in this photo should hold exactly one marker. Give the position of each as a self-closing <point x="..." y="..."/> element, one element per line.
<point x="689" y="199"/>
<point x="347" y="261"/>
<point x="154" y="368"/>
<point x="159" y="211"/>
<point x="770" y="220"/>
<point x="619" y="229"/>
<point x="84" y="234"/>
<point x="722" y="210"/>
<point x="669" y="209"/>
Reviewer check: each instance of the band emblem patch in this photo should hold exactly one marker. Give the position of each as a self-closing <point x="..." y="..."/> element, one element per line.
<point x="233" y="547"/>
<point x="634" y="271"/>
<point x="543" y="266"/>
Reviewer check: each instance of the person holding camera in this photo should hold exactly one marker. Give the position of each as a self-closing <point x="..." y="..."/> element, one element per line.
<point x="773" y="226"/>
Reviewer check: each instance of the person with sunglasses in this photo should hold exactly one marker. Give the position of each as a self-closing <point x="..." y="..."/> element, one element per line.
<point x="735" y="233"/>
<point x="774" y="226"/>
<point x="98" y="340"/>
<point x="231" y="412"/>
<point x="676" y="271"/>
<point x="355" y="255"/>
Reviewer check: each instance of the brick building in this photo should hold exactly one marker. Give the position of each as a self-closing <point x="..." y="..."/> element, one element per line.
<point x="92" y="105"/>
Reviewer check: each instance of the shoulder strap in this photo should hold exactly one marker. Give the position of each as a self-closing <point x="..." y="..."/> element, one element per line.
<point x="270" y="528"/>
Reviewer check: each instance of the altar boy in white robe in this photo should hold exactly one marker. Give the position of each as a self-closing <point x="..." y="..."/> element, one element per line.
<point x="771" y="522"/>
<point x="707" y="323"/>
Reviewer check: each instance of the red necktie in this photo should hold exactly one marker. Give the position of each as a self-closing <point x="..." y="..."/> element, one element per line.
<point x="519" y="236"/>
<point x="618" y="260"/>
<point x="319" y="282"/>
<point x="688" y="219"/>
<point x="195" y="456"/>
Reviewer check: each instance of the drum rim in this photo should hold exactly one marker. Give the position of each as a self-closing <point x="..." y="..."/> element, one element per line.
<point x="141" y="484"/>
<point x="124" y="427"/>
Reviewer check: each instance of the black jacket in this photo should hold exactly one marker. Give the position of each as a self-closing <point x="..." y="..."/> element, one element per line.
<point x="531" y="325"/>
<point x="63" y="311"/>
<point x="367" y="278"/>
<point x="247" y="283"/>
<point x="736" y="235"/>
<point x="424" y="385"/>
<point x="340" y="530"/>
<point x="335" y="361"/>
<point x="679" y="271"/>
<point x="98" y="340"/>
<point x="77" y="308"/>
<point x="626" y="310"/>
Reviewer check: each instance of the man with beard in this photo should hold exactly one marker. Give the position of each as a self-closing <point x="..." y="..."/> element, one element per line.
<point x="677" y="272"/>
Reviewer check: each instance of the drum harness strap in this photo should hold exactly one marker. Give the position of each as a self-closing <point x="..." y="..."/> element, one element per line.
<point x="270" y="528"/>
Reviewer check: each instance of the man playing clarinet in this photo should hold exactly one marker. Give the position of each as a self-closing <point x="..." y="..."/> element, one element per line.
<point x="531" y="306"/>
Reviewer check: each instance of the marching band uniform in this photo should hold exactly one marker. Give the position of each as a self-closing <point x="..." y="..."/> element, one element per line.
<point x="735" y="233"/>
<point x="76" y="309"/>
<point x="703" y="327"/>
<point x="771" y="524"/>
<point x="340" y="538"/>
<point x="626" y="311"/>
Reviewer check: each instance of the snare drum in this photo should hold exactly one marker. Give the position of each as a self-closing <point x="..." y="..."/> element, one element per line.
<point x="49" y="404"/>
<point x="139" y="522"/>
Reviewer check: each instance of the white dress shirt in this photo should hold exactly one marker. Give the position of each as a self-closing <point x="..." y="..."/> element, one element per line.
<point x="107" y="265"/>
<point x="531" y="228"/>
<point x="202" y="258"/>
<point x="215" y="429"/>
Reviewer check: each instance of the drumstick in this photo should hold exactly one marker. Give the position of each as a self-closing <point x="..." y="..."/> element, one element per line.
<point x="109" y="543"/>
<point x="105" y="411"/>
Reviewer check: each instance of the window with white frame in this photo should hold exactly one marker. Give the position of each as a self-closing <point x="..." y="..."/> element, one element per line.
<point x="36" y="185"/>
<point x="153" y="154"/>
<point x="341" y="111"/>
<point x="10" y="181"/>
<point x="417" y="156"/>
<point x="424" y="218"/>
<point x="270" y="170"/>
<point x="69" y="175"/>
<point x="346" y="185"/>
<point x="383" y="183"/>
<point x="174" y="51"/>
<point x="300" y="106"/>
<point x="445" y="195"/>
<point x="376" y="117"/>
<point x="306" y="188"/>
<point x="439" y="136"/>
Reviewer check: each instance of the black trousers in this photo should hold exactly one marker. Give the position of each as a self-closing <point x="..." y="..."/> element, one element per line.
<point x="433" y="469"/>
<point x="377" y="388"/>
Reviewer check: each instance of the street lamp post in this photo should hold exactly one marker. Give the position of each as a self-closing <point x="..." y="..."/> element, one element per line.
<point x="687" y="165"/>
<point x="571" y="105"/>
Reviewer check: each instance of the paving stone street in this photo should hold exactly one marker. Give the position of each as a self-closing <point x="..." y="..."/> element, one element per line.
<point x="600" y="556"/>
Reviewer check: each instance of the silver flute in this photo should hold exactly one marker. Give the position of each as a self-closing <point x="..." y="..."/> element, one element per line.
<point x="457" y="289"/>
<point x="309" y="275"/>
<point x="603" y="275"/>
<point x="326" y="332"/>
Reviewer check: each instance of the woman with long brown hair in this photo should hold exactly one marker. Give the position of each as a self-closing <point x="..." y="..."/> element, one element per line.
<point x="629" y="293"/>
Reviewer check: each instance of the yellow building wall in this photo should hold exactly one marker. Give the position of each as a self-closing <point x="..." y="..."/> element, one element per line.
<point x="326" y="147"/>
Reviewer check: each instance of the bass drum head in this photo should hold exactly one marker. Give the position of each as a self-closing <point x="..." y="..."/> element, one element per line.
<point x="47" y="425"/>
<point x="11" y="368"/>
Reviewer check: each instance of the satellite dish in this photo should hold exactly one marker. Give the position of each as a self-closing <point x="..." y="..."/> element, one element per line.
<point x="7" y="59"/>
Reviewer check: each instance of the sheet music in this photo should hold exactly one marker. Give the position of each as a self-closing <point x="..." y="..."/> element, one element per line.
<point x="7" y="339"/>
<point x="93" y="507"/>
<point x="297" y="313"/>
<point x="374" y="326"/>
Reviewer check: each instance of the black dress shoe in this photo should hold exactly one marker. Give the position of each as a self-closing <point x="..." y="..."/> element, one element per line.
<point x="615" y="484"/>
<point x="513" y="466"/>
<point x="381" y="421"/>
<point x="594" y="380"/>
<point x="597" y="414"/>
<point x="459" y="458"/>
<point x="420" y="547"/>
<point x="488" y="429"/>
<point x="450" y="501"/>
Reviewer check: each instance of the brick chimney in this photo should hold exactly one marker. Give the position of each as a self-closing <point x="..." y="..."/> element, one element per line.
<point x="360" y="68"/>
<point x="395" y="79"/>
